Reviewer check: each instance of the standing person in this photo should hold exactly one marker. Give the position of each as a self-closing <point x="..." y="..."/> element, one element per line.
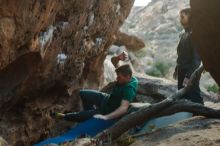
<point x="188" y="59"/>
<point x="107" y="106"/>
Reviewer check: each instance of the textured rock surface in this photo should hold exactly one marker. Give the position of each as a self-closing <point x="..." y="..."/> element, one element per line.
<point x="195" y="131"/>
<point x="206" y="33"/>
<point x="132" y="43"/>
<point x="158" y="25"/>
<point x="32" y="34"/>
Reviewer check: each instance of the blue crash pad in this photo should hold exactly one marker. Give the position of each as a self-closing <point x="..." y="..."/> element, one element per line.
<point x="90" y="128"/>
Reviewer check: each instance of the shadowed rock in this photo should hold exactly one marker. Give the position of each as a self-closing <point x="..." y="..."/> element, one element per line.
<point x="33" y="78"/>
<point x="206" y="34"/>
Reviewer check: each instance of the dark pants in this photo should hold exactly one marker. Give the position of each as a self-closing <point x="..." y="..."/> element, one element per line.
<point x="194" y="93"/>
<point x="93" y="102"/>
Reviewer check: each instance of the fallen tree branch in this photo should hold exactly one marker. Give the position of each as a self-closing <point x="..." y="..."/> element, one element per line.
<point x="188" y="106"/>
<point x="144" y="114"/>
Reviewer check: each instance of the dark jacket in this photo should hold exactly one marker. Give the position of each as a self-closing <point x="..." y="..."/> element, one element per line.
<point x="188" y="58"/>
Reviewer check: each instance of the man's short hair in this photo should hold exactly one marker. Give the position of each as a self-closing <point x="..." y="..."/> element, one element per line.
<point x="186" y="11"/>
<point x="125" y="70"/>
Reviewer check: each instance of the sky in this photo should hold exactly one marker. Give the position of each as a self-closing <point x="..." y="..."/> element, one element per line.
<point x="141" y="2"/>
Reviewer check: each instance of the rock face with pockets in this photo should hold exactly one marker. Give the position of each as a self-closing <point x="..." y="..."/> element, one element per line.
<point x="47" y="47"/>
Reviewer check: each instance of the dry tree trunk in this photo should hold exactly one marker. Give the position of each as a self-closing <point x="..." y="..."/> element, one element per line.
<point x="188" y="106"/>
<point x="168" y="106"/>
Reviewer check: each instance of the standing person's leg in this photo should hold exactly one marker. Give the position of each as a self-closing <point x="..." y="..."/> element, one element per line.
<point x="181" y="76"/>
<point x="195" y="93"/>
<point x="91" y="98"/>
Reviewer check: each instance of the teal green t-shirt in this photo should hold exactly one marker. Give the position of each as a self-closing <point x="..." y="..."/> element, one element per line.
<point x="119" y="93"/>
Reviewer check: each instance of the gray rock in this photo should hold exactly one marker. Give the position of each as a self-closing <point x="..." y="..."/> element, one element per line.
<point x="3" y="142"/>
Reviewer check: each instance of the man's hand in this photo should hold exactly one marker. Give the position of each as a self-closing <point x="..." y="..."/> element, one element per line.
<point x="98" y="116"/>
<point x="123" y="56"/>
<point x="120" y="111"/>
<point x="175" y="75"/>
<point x="187" y="82"/>
<point x="115" y="60"/>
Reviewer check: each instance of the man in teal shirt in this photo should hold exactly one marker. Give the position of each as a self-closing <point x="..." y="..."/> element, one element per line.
<point x="108" y="106"/>
<point x="101" y="110"/>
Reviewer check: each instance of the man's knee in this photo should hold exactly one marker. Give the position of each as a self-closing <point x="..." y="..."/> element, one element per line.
<point x="81" y="93"/>
<point x="86" y="94"/>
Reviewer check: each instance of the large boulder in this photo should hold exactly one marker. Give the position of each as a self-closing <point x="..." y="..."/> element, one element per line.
<point x="45" y="48"/>
<point x="206" y="33"/>
<point x="131" y="42"/>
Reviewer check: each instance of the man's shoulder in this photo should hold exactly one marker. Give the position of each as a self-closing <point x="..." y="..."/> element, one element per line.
<point x="134" y="80"/>
<point x="133" y="83"/>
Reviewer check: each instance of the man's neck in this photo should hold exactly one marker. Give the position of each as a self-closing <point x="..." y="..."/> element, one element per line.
<point x="124" y="82"/>
<point x="187" y="29"/>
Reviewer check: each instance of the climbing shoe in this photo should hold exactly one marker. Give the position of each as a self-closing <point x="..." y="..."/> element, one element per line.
<point x="57" y="115"/>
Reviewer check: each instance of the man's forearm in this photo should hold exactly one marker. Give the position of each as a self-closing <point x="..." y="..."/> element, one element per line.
<point x="117" y="113"/>
<point x="115" y="60"/>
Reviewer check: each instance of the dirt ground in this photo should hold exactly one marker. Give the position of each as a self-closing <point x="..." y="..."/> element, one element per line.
<point x="197" y="131"/>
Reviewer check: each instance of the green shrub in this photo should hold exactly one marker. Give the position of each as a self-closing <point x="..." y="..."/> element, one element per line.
<point x="154" y="72"/>
<point x="141" y="53"/>
<point x="213" y="88"/>
<point x="159" y="69"/>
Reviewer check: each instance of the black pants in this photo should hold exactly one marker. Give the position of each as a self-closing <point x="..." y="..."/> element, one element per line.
<point x="93" y="102"/>
<point x="194" y="93"/>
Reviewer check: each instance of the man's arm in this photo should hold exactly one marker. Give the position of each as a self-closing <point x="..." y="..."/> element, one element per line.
<point x="175" y="74"/>
<point x="117" y="113"/>
<point x="196" y="61"/>
<point x="115" y="60"/>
